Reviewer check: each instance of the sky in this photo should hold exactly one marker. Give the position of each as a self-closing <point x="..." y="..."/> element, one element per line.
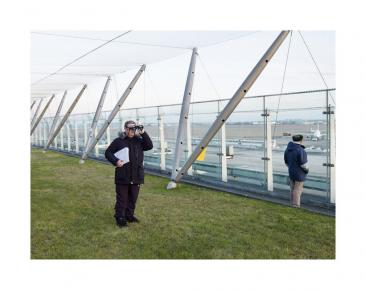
<point x="220" y="69"/>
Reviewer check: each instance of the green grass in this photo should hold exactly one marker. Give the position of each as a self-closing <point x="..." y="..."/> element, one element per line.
<point x="72" y="218"/>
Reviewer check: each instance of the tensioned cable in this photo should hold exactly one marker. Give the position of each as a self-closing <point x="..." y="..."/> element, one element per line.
<point x="316" y="65"/>
<point x="156" y="93"/>
<point x="76" y="74"/>
<point x="99" y="39"/>
<point x="230" y="39"/>
<point x="82" y="56"/>
<point x="282" y="85"/>
<point x="209" y="77"/>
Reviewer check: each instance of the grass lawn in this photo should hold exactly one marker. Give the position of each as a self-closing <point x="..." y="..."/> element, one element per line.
<point x="72" y="218"/>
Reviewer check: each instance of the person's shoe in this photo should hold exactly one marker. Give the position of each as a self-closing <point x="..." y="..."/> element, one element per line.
<point x="132" y="219"/>
<point x="121" y="222"/>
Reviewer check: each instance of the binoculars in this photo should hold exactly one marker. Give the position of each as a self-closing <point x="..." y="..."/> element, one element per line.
<point x="138" y="127"/>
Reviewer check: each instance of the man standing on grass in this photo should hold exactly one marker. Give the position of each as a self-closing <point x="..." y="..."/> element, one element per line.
<point x="129" y="175"/>
<point x="296" y="161"/>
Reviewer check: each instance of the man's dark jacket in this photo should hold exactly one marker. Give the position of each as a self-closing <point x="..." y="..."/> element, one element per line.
<point x="296" y="158"/>
<point x="133" y="171"/>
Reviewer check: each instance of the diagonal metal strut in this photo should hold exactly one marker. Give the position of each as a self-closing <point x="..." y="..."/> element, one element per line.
<point x="64" y="119"/>
<point x="96" y="119"/>
<point x="233" y="103"/>
<point x="113" y="113"/>
<point x="41" y="115"/>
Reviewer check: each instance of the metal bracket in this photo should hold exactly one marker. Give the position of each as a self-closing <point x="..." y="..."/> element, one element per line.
<point x="328" y="164"/>
<point x="266" y="158"/>
<point x="328" y="112"/>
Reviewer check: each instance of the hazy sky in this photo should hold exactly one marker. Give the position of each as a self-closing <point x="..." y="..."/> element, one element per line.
<point x="226" y="66"/>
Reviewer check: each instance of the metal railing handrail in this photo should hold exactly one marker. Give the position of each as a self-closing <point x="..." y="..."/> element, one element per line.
<point x="214" y="100"/>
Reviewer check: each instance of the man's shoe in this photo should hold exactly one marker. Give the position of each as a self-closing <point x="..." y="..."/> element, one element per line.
<point x="132" y="219"/>
<point x="121" y="222"/>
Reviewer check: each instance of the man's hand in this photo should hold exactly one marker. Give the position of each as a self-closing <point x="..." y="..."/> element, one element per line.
<point x="119" y="163"/>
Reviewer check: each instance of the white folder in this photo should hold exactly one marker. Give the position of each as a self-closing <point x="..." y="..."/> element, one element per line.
<point x="123" y="155"/>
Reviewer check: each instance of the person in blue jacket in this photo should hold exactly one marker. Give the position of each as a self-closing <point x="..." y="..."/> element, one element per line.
<point x="296" y="160"/>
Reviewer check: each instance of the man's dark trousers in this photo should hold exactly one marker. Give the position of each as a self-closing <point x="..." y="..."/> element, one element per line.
<point x="126" y="197"/>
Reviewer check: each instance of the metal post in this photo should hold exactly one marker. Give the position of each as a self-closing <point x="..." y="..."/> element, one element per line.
<point x="113" y="113"/>
<point x="36" y="112"/>
<point x="233" y="103"/>
<point x="76" y="132"/>
<point x="109" y="135"/>
<point x="330" y="164"/>
<point x="38" y="133"/>
<point x="137" y="116"/>
<point x="222" y="154"/>
<point x="85" y="133"/>
<point x="268" y="167"/>
<point x="162" y="141"/>
<point x="332" y="154"/>
<point x="68" y="137"/>
<point x="44" y="132"/>
<point x="96" y="146"/>
<point x="41" y="115"/>
<point x="62" y="138"/>
<point x="91" y="134"/>
<point x="184" y="114"/>
<point x="57" y="115"/>
<point x="66" y="116"/>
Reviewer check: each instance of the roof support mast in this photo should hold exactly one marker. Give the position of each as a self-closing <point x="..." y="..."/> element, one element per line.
<point x="91" y="135"/>
<point x="36" y="112"/>
<point x="113" y="113"/>
<point x="41" y="115"/>
<point x="64" y="119"/>
<point x="183" y="118"/>
<point x="56" y="117"/>
<point x="33" y="104"/>
<point x="233" y="103"/>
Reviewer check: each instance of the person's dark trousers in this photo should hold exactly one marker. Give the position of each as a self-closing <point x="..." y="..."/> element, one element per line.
<point x="126" y="198"/>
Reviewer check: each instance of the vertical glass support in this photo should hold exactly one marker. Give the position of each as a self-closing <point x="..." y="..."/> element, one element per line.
<point x="55" y="142"/>
<point x="44" y="132"/>
<point x="161" y="141"/>
<point x="222" y="154"/>
<point x="332" y="154"/>
<point x="96" y="147"/>
<point x="68" y="137"/>
<point x="76" y="136"/>
<point x="108" y="135"/>
<point x="330" y="135"/>
<point x="268" y="166"/>
<point x="62" y="138"/>
<point x="137" y="117"/>
<point x="85" y="133"/>
<point x="38" y="137"/>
